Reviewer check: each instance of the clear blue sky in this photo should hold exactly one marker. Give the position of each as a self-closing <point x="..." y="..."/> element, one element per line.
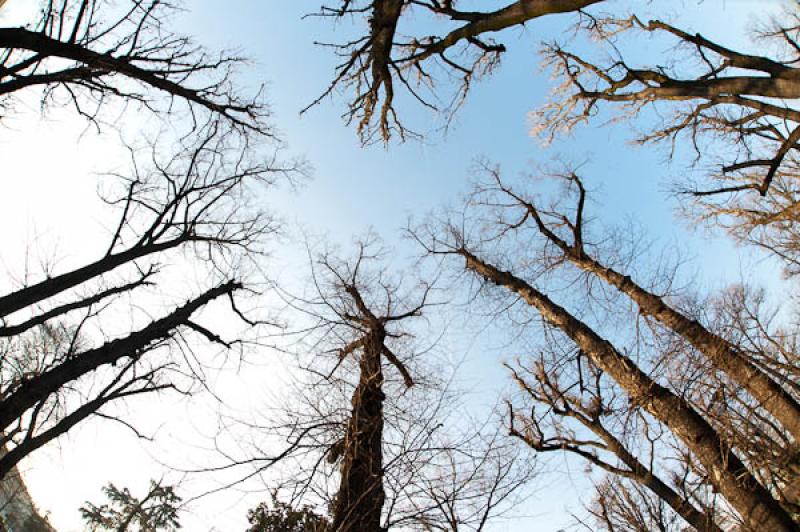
<point x="354" y="188"/>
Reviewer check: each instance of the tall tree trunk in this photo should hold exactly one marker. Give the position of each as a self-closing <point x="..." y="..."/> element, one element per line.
<point x="724" y="355"/>
<point x="728" y="474"/>
<point x="359" y="502"/>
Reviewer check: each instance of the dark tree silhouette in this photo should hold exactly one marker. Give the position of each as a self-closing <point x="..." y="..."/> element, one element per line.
<point x="94" y="51"/>
<point x="185" y="201"/>
<point x="372" y="433"/>
<point x="55" y="370"/>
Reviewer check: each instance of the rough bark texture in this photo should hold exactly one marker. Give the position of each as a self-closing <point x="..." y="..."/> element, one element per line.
<point x="728" y="474"/>
<point x="359" y="501"/>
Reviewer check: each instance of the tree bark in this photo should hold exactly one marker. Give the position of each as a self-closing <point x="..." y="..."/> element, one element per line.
<point x="644" y="476"/>
<point x="725" y="356"/>
<point x="361" y="495"/>
<point x="513" y="14"/>
<point x="728" y="474"/>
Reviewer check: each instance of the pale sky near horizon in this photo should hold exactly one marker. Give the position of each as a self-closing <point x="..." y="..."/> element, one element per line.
<point x="49" y="198"/>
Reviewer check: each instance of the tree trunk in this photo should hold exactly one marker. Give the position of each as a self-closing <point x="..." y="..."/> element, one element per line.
<point x="725" y="356"/>
<point x="359" y="501"/>
<point x="702" y="521"/>
<point x="727" y="472"/>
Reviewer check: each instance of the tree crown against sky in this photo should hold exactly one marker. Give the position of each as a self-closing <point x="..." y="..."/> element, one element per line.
<point x="372" y="406"/>
<point x="527" y="241"/>
<point x="733" y="98"/>
<point x="156" y="510"/>
<point x="80" y="340"/>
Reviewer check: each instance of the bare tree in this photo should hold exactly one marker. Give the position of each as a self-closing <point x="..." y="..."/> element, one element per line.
<point x="731" y="105"/>
<point x="358" y="504"/>
<point x="373" y="434"/>
<point x="457" y="479"/>
<point x="725" y="466"/>
<point x="729" y="92"/>
<point x="66" y="352"/>
<point x="713" y="381"/>
<point x="622" y="506"/>
<point x="375" y="63"/>
<point x="398" y="465"/>
<point x="64" y="357"/>
<point x="565" y="237"/>
<point x="94" y="51"/>
<point x="734" y="106"/>
<point x="590" y="404"/>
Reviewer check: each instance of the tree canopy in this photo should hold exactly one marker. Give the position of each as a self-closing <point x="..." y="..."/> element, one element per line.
<point x="680" y="397"/>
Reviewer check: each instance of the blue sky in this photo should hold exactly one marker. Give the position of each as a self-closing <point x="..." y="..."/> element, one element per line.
<point x="354" y="188"/>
